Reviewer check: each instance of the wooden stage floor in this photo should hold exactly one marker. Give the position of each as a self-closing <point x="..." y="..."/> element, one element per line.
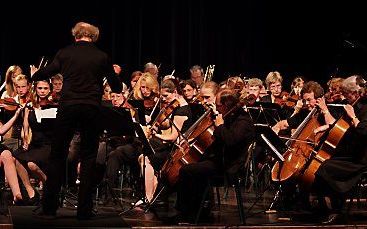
<point x="110" y="215"/>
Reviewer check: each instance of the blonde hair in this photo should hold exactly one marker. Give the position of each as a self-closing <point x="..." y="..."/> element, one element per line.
<point x="273" y="77"/>
<point x="83" y="29"/>
<point x="151" y="83"/>
<point x="13" y="70"/>
<point x="211" y="85"/>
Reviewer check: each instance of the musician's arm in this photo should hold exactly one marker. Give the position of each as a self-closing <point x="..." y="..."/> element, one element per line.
<point x="48" y="71"/>
<point x="236" y="133"/>
<point x="25" y="129"/>
<point x="5" y="127"/>
<point x="329" y="119"/>
<point x="178" y="122"/>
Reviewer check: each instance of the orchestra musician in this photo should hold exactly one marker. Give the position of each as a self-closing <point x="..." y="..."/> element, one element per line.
<point x="36" y="143"/>
<point x="312" y="95"/>
<point x="189" y="90"/>
<point x="152" y="69"/>
<point x="339" y="174"/>
<point x="197" y="75"/>
<point x="10" y="75"/>
<point x="12" y="139"/>
<point x="179" y="121"/>
<point x="147" y="89"/>
<point x="208" y="92"/>
<point x="56" y="81"/>
<point x="233" y="135"/>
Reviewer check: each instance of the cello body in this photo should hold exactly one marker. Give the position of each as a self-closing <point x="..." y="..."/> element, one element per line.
<point x="324" y="151"/>
<point x="197" y="138"/>
<point x="299" y="151"/>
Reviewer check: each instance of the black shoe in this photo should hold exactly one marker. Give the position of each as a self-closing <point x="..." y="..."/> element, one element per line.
<point x="35" y="200"/>
<point x="19" y="202"/>
<point x="335" y="218"/>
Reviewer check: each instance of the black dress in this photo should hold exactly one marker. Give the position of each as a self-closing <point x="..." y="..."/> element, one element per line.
<point x="40" y="146"/>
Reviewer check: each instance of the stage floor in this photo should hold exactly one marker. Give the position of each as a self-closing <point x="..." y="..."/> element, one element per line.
<point x="110" y="215"/>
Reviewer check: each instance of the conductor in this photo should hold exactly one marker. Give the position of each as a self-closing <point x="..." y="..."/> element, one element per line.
<point x="83" y="66"/>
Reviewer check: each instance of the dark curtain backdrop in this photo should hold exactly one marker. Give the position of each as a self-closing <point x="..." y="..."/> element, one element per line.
<point x="249" y="37"/>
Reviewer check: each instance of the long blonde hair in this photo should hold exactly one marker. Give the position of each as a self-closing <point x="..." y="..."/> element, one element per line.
<point x="12" y="71"/>
<point x="151" y="83"/>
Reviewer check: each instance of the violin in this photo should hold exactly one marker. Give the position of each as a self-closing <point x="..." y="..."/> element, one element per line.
<point x="9" y="104"/>
<point x="331" y="97"/>
<point x="164" y="114"/>
<point x="285" y="99"/>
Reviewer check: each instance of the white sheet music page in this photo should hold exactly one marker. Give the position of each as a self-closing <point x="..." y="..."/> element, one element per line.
<point x="46" y="113"/>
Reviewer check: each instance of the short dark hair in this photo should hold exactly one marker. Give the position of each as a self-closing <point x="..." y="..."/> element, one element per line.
<point x="312" y="86"/>
<point x="228" y="97"/>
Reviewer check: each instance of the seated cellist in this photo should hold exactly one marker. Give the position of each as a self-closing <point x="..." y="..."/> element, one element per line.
<point x="339" y="174"/>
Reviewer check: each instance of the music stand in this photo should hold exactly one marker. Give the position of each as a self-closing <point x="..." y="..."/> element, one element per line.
<point x="139" y="107"/>
<point x="277" y="147"/>
<point x="115" y="121"/>
<point x="264" y="112"/>
<point x="147" y="150"/>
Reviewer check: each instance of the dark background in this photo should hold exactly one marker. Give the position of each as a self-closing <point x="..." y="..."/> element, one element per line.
<point x="315" y="39"/>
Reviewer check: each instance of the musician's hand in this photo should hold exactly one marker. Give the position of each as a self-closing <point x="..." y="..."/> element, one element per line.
<point x="321" y="129"/>
<point x="321" y="103"/>
<point x="219" y="120"/>
<point x="117" y="69"/>
<point x="33" y="69"/>
<point x="299" y="104"/>
<point x="25" y="146"/>
<point x="350" y="111"/>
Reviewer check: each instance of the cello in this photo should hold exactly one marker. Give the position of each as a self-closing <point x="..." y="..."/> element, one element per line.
<point x="325" y="149"/>
<point x="195" y="141"/>
<point x="299" y="148"/>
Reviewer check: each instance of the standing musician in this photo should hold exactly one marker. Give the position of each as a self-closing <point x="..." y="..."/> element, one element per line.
<point x="233" y="135"/>
<point x="339" y="174"/>
<point x="179" y="121"/>
<point x="83" y="67"/>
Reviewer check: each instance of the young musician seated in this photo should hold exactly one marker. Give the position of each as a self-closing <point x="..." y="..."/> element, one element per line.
<point x="9" y="165"/>
<point x="162" y="140"/>
<point x="234" y="132"/>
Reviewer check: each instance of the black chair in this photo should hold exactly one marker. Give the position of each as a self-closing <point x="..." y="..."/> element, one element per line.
<point x="357" y="192"/>
<point x="223" y="181"/>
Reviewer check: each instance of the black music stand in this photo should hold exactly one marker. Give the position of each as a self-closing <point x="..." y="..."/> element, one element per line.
<point x="264" y="112"/>
<point x="115" y="121"/>
<point x="277" y="147"/>
<point x="139" y="107"/>
<point x="147" y="149"/>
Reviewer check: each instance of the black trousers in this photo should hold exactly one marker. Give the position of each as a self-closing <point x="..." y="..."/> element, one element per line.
<point x="86" y="118"/>
<point x="193" y="179"/>
<point x="125" y="154"/>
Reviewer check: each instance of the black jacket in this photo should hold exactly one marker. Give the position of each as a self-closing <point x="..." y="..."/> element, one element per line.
<point x="83" y="67"/>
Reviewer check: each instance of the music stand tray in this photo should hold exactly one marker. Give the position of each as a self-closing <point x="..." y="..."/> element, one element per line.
<point x="139" y="107"/>
<point x="276" y="145"/>
<point x="116" y="121"/>
<point x="147" y="147"/>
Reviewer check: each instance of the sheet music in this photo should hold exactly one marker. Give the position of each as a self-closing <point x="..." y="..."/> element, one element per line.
<point x="46" y="113"/>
